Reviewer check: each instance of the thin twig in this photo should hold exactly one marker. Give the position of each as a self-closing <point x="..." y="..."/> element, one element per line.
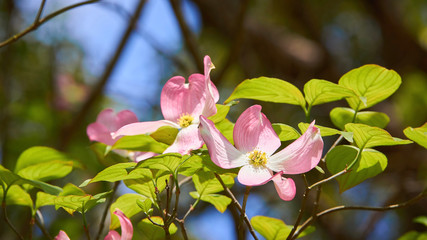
<point x="183" y="229"/>
<point x="301" y="211"/>
<point x="189" y="38"/>
<point x="365" y="208"/>
<point x="99" y="87"/>
<point x="245" y="199"/>
<point x="40" y="224"/>
<point x="237" y="204"/>
<point x="3" y="205"/>
<point x="38" y="23"/>
<point x="106" y="209"/>
<point x="39" y="13"/>
<point x="85" y="226"/>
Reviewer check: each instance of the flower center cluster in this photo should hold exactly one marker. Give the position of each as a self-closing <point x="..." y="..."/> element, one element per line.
<point x="257" y="158"/>
<point x="185" y="120"/>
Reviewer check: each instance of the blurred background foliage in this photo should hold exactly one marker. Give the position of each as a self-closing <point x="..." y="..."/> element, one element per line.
<point x="49" y="92"/>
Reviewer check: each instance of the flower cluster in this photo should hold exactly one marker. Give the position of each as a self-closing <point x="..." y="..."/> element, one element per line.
<point x="187" y="107"/>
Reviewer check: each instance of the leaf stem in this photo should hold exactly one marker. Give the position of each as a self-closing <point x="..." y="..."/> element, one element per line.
<point x="3" y="205"/>
<point x="40" y="224"/>
<point x="107" y="207"/>
<point x="237" y="205"/>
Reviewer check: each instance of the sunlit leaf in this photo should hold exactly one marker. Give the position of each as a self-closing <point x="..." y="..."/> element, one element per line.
<point x="285" y="132"/>
<point x="47" y="171"/>
<point x="105" y="156"/>
<point x="268" y="90"/>
<point x="220" y="202"/>
<point x="222" y="111"/>
<point x="340" y="116"/>
<point x="205" y="182"/>
<point x="275" y="229"/>
<point x="370" y="164"/>
<point x="147" y="187"/>
<point x="153" y="232"/>
<point x="165" y="134"/>
<point x="371" y="83"/>
<point x="168" y="162"/>
<point x="366" y="136"/>
<point x="418" y="135"/>
<point x="37" y="155"/>
<point x="321" y="91"/>
<point x="127" y="204"/>
<point x="226" y="128"/>
<point x="191" y="165"/>
<point x="145" y="205"/>
<point x="114" y="173"/>
<point x="324" y="131"/>
<point x="414" y="235"/>
<point x="421" y="220"/>
<point x="142" y="143"/>
<point x="17" y="196"/>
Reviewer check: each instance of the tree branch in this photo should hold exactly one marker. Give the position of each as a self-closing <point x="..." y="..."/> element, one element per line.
<point x="37" y="23"/>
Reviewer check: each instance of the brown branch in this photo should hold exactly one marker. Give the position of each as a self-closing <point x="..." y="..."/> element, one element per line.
<point x="364" y="208"/>
<point x="189" y="38"/>
<point x="107" y="207"/>
<point x="37" y="23"/>
<point x="99" y="87"/>
<point x="238" y="206"/>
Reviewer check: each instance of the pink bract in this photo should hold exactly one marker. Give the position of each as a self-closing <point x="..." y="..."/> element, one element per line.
<point x="107" y="123"/>
<point x="62" y="236"/>
<point x="182" y="104"/>
<point x="255" y="144"/>
<point x="126" y="226"/>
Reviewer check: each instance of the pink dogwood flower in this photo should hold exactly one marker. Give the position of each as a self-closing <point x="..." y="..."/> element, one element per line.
<point x="62" y="236"/>
<point x="255" y="143"/>
<point x="107" y="123"/>
<point x="181" y="104"/>
<point x="126" y="226"/>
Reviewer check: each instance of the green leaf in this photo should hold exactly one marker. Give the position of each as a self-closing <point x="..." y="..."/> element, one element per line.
<point x="114" y="173"/>
<point x="37" y="155"/>
<point x="153" y="232"/>
<point x="168" y="162"/>
<point x="421" y="220"/>
<point x="47" y="171"/>
<point x="285" y="132"/>
<point x="219" y="201"/>
<point x="268" y="90"/>
<point x="191" y="165"/>
<point x="222" y="111"/>
<point x="105" y="156"/>
<point x="72" y="203"/>
<point x="142" y="143"/>
<point x="274" y="229"/>
<point x="414" y="235"/>
<point x="370" y="164"/>
<point x="44" y="199"/>
<point x="147" y="187"/>
<point x="165" y="134"/>
<point x="226" y="128"/>
<point x="321" y="91"/>
<point x="324" y="131"/>
<point x="205" y="182"/>
<point x="366" y="136"/>
<point x="9" y="178"/>
<point x="418" y="135"/>
<point x="371" y="83"/>
<point x="127" y="204"/>
<point x="340" y="116"/>
<point x="145" y="205"/>
<point x="17" y="196"/>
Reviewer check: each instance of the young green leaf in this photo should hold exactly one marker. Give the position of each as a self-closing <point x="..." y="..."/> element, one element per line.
<point x="37" y="155"/>
<point x="46" y="171"/>
<point x="127" y="204"/>
<point x="268" y="90"/>
<point x="285" y="132"/>
<point x="371" y="83"/>
<point x="418" y="135"/>
<point x="145" y="205"/>
<point x="153" y="232"/>
<point x="274" y="229"/>
<point x="324" y="131"/>
<point x="105" y="156"/>
<point x="17" y="196"/>
<point x="369" y="164"/>
<point x="222" y="111"/>
<point x="340" y="116"/>
<point x="367" y="137"/>
<point x="147" y="187"/>
<point x="165" y="134"/>
<point x="321" y="91"/>
<point x="143" y="143"/>
<point x="220" y="202"/>
<point x="168" y="162"/>
<point x="114" y="173"/>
